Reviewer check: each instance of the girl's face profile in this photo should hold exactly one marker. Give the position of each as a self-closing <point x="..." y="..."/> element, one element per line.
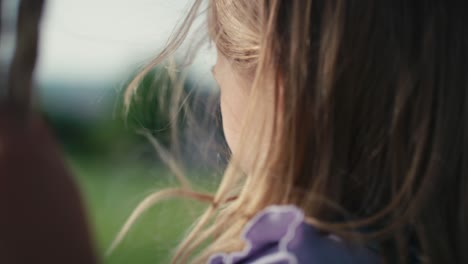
<point x="235" y="92"/>
<point x="233" y="99"/>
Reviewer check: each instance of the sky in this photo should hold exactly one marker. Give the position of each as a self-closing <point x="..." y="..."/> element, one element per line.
<point x="89" y="49"/>
<point x="105" y="40"/>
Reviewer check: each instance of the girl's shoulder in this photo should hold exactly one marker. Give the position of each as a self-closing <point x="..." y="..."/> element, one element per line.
<point x="279" y="235"/>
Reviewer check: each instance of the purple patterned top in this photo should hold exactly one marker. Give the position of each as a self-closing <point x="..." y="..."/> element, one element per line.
<point x="279" y="235"/>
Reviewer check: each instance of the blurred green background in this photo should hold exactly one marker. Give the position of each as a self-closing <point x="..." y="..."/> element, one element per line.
<point x="89" y="52"/>
<point x="116" y="168"/>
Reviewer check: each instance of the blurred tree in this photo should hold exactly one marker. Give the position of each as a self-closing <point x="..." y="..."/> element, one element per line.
<point x="154" y="107"/>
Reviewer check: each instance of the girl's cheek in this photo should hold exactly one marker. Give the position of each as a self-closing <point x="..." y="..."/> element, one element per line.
<point x="233" y="100"/>
<point x="231" y="121"/>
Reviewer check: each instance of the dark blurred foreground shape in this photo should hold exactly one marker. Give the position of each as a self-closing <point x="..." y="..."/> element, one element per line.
<point x="41" y="214"/>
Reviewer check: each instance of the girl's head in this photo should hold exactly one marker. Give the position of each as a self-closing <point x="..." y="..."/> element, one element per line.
<point x="354" y="111"/>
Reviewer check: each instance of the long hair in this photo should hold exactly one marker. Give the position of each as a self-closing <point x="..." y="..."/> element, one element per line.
<point x="368" y="125"/>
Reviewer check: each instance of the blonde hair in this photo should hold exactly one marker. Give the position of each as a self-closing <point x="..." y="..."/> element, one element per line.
<point x="353" y="85"/>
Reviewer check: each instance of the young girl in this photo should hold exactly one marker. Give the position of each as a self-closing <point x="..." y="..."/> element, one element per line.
<point x="348" y="126"/>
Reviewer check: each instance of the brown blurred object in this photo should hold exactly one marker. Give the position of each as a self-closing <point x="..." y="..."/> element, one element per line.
<point x="41" y="215"/>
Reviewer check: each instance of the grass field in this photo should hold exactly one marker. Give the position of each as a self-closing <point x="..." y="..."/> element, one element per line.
<point x="112" y="190"/>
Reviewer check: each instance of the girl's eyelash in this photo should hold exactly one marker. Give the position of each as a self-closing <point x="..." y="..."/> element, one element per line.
<point x="213" y="72"/>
